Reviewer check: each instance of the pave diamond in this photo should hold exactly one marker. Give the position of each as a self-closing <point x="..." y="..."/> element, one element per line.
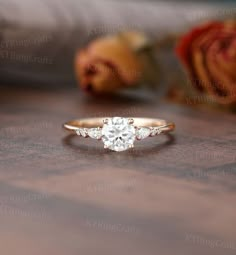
<point x="118" y="134"/>
<point x="142" y="133"/>
<point x="155" y="131"/>
<point x="95" y="133"/>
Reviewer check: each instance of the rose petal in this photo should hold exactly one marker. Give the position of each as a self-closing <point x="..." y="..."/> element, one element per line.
<point x="209" y="55"/>
<point x="119" y="54"/>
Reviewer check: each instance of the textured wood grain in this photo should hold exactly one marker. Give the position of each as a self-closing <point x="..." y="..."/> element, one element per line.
<point x="65" y="195"/>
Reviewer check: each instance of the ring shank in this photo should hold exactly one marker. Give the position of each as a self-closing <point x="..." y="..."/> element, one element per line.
<point x="98" y="122"/>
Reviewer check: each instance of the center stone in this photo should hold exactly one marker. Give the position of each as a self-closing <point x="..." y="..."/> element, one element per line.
<point x="118" y="134"/>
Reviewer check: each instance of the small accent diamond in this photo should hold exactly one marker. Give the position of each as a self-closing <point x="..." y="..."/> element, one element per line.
<point x="142" y="133"/>
<point x="158" y="131"/>
<point x="155" y="131"/>
<point x="95" y="133"/>
<point x="83" y="132"/>
<point x="77" y="131"/>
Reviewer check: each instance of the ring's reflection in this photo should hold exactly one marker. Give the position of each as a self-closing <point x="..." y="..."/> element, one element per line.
<point x="153" y="146"/>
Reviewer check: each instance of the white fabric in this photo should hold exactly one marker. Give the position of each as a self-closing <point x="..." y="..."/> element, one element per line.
<point x="38" y="38"/>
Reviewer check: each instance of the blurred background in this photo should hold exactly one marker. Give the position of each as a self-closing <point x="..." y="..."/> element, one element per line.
<point x="39" y="39"/>
<point x="67" y="59"/>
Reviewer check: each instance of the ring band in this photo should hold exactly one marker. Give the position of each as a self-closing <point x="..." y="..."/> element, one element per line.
<point x="118" y="133"/>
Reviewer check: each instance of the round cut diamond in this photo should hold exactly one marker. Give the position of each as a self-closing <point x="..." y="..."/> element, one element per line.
<point x="83" y="132"/>
<point x="118" y="134"/>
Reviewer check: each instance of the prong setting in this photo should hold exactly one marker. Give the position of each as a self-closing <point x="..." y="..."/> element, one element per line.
<point x="131" y="121"/>
<point x="105" y="121"/>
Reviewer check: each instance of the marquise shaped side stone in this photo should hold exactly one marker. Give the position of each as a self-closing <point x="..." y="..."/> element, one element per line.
<point x="95" y="133"/>
<point x="143" y="132"/>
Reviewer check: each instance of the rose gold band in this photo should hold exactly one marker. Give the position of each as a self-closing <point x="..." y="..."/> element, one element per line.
<point x="163" y="125"/>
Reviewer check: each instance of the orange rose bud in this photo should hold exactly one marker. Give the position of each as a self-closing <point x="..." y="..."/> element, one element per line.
<point x="209" y="54"/>
<point x="110" y="63"/>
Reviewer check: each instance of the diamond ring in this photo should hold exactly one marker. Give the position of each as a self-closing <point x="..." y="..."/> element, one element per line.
<point x="118" y="133"/>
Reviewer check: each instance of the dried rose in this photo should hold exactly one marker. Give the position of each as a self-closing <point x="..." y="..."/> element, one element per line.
<point x="209" y="54"/>
<point x="111" y="63"/>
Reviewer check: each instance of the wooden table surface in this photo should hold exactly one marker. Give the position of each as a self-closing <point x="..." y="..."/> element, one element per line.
<point x="65" y="195"/>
